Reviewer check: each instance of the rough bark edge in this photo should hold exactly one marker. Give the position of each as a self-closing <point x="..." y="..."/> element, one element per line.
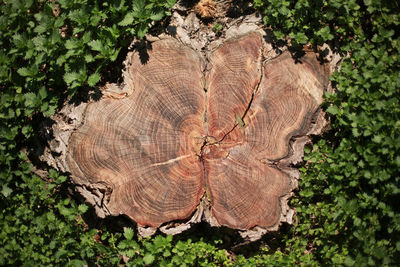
<point x="71" y="118"/>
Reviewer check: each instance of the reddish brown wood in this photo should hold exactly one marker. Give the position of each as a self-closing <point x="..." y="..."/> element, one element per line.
<point x="288" y="96"/>
<point x="144" y="146"/>
<point x="185" y="133"/>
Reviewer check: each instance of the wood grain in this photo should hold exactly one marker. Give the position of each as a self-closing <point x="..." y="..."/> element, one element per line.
<point x="235" y="73"/>
<point x="143" y="146"/>
<point x="245" y="192"/>
<point x="288" y="96"/>
<point x="185" y="133"/>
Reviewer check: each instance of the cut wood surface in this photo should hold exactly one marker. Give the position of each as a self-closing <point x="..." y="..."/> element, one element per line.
<point x="199" y="128"/>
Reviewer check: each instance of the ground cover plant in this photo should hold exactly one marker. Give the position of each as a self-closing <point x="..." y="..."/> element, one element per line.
<point x="347" y="210"/>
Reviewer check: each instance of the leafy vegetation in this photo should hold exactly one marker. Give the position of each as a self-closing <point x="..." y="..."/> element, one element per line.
<point x="347" y="210"/>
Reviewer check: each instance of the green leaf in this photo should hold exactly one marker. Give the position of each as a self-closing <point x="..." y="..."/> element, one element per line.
<point x="377" y="139"/>
<point x="325" y="34"/>
<point x="27" y="131"/>
<point x="60" y="253"/>
<point x="142" y="30"/>
<point x="348" y="261"/>
<point x="61" y="179"/>
<point x="93" y="79"/>
<point x="170" y="3"/>
<point x="27" y="72"/>
<point x="76" y="263"/>
<point x="23" y="72"/>
<point x="128" y="233"/>
<point x="397" y="161"/>
<point x="19" y="40"/>
<point x="6" y="191"/>
<point x="72" y="43"/>
<point x="301" y="38"/>
<point x="50" y="110"/>
<point x="138" y="5"/>
<point x="82" y="208"/>
<point x="279" y="35"/>
<point x="79" y="16"/>
<point x="114" y="55"/>
<point x="334" y="110"/>
<point x="41" y="28"/>
<point x="157" y="16"/>
<point x="96" y="45"/>
<point x="31" y="100"/>
<point x="42" y="93"/>
<point x="127" y="20"/>
<point x="87" y="36"/>
<point x="70" y="77"/>
<point x="40" y="43"/>
<point x="148" y="258"/>
<point x="89" y="58"/>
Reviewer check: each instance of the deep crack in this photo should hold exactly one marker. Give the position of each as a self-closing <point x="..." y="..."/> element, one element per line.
<point x="253" y="95"/>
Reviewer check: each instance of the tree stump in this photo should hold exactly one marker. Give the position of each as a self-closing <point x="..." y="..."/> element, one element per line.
<point x="198" y="136"/>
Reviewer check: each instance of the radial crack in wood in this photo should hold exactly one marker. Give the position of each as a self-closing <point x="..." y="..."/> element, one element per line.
<point x="235" y="73"/>
<point x="199" y="135"/>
